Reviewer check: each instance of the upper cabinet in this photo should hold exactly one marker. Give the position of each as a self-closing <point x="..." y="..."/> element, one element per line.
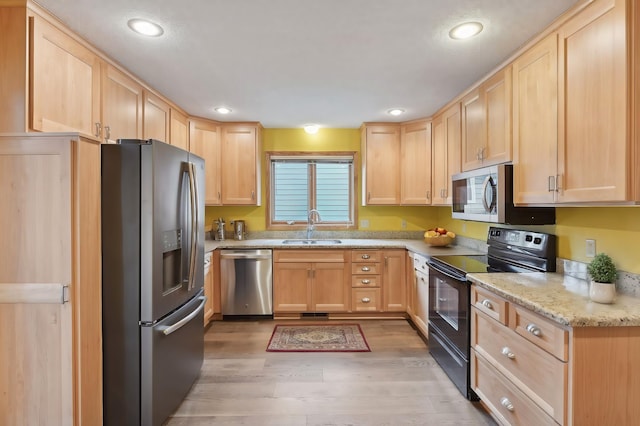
<point x="241" y="168"/>
<point x="179" y="129"/>
<point x="573" y="102"/>
<point x="204" y="141"/>
<point x="415" y="163"/>
<point x="121" y="106"/>
<point x="486" y="122"/>
<point x="380" y="164"/>
<point x="156" y="117"/>
<point x="446" y="153"/>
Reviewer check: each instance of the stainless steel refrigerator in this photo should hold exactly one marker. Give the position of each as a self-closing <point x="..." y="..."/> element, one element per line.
<point x="153" y="274"/>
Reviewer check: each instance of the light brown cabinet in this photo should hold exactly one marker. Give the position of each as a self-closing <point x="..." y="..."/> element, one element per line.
<point x="380" y="164"/>
<point x="50" y="283"/>
<point x="178" y="129"/>
<point x="122" y="102"/>
<point x="204" y="141"/>
<point x="394" y="281"/>
<point x="415" y="163"/>
<point x="311" y="281"/>
<point x="446" y="153"/>
<point x="156" y="117"/>
<point x="366" y="281"/>
<point x="486" y="122"/>
<point x="241" y="169"/>
<point x="208" y="287"/>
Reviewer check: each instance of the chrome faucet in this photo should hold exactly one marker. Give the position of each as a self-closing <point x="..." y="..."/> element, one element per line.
<point x="311" y="222"/>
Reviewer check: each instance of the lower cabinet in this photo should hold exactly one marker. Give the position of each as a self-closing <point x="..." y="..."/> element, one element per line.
<point x="311" y="281"/>
<point x="208" y="287"/>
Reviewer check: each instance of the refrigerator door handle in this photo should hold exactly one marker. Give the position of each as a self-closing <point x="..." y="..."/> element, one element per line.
<point x="193" y="197"/>
<point x="175" y="327"/>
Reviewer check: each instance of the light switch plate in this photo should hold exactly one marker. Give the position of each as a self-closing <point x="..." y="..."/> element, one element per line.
<point x="590" y="249"/>
<point x="364" y="223"/>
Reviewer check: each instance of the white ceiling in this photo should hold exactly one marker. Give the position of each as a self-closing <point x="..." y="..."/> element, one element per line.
<point x="286" y="63"/>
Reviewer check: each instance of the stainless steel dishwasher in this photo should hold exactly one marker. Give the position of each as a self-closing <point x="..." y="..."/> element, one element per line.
<point x="246" y="282"/>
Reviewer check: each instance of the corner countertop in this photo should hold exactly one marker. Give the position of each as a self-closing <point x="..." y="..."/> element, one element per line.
<point x="561" y="298"/>
<point x="416" y="246"/>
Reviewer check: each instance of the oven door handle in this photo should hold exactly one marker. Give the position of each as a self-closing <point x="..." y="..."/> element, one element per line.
<point x="459" y="279"/>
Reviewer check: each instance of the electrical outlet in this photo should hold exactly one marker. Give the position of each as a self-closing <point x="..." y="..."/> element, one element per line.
<point x="590" y="250"/>
<point x="403" y="224"/>
<point x="364" y="223"/>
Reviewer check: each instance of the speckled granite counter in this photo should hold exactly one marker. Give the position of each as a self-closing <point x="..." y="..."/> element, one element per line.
<point x="561" y="298"/>
<point x="416" y="246"/>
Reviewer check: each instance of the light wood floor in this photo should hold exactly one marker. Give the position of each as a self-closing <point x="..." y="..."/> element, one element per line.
<point x="397" y="383"/>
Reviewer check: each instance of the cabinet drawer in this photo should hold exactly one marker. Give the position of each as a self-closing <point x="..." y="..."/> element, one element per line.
<point x="540" y="375"/>
<point x="540" y="331"/>
<point x="503" y="397"/>
<point x="365" y="281"/>
<point x="365" y="268"/>
<point x="366" y="300"/>
<point x="365" y="256"/>
<point x="489" y="303"/>
<point x="309" y="255"/>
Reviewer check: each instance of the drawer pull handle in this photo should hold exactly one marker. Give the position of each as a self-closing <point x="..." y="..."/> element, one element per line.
<point x="487" y="304"/>
<point x="506" y="403"/>
<point x="365" y="256"/>
<point x="366" y="268"/>
<point x="366" y="281"/>
<point x="507" y="352"/>
<point x="534" y="329"/>
<point x="366" y="300"/>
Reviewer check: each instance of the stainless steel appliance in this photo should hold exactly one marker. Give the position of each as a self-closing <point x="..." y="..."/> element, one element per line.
<point x="220" y="231"/>
<point x="239" y="229"/>
<point x="486" y="195"/>
<point x="509" y="250"/>
<point x="153" y="274"/>
<point x="246" y="282"/>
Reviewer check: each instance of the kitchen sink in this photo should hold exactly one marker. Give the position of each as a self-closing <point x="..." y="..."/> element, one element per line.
<point x="315" y="242"/>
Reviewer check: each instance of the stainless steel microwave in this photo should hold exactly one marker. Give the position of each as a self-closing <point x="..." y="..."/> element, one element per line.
<point x="486" y="195"/>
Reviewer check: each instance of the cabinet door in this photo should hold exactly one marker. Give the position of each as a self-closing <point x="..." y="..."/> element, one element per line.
<point x="331" y="288"/>
<point x="535" y="122"/>
<point x="394" y="283"/>
<point x="292" y="287"/>
<point x="208" y="287"/>
<point x="415" y="173"/>
<point x="381" y="153"/>
<point x="241" y="165"/>
<point x="204" y="141"/>
<point x="446" y="153"/>
<point x="473" y="130"/>
<point x="65" y="82"/>
<point x="156" y="118"/>
<point x="592" y="154"/>
<point x="179" y="129"/>
<point x="498" y="118"/>
<point x="121" y="106"/>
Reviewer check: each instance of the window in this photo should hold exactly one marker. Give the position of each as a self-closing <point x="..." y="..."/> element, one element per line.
<point x="299" y="183"/>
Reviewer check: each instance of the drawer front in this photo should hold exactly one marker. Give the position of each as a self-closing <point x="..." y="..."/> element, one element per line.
<point x="491" y="304"/>
<point x="366" y="300"/>
<point x="365" y="268"/>
<point x="540" y="331"/>
<point x="310" y="256"/>
<point x="503" y="398"/>
<point x="365" y="281"/>
<point x="540" y="375"/>
<point x="365" y="256"/>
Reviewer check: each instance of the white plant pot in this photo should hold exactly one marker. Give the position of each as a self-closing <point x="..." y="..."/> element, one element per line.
<point x="602" y="292"/>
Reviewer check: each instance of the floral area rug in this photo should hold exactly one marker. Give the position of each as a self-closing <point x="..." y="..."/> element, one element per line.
<point x="318" y="338"/>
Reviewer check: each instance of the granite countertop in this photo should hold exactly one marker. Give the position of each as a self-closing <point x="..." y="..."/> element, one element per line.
<point x="562" y="298"/>
<point x="416" y="246"/>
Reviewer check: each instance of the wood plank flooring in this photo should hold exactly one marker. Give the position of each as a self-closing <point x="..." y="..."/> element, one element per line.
<point x="396" y="384"/>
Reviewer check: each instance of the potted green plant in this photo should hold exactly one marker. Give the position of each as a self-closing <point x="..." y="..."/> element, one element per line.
<point x="603" y="273"/>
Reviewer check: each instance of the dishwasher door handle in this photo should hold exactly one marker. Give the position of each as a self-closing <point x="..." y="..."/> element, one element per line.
<point x="244" y="256"/>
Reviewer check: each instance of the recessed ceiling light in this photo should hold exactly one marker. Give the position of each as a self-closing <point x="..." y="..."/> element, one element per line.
<point x="144" y="27"/>
<point x="465" y="30"/>
<point x="395" y="111"/>
<point x="311" y="128"/>
<point x="223" y="110"/>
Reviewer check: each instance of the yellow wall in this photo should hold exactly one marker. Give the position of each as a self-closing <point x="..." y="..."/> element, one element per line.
<point x="615" y="229"/>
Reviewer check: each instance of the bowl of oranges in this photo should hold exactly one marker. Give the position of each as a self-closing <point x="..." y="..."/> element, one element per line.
<point x="439" y="237"/>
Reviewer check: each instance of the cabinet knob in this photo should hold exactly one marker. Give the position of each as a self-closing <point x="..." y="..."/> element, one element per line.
<point x="366" y="300"/>
<point x="365" y="256"/>
<point x="534" y="329"/>
<point x="253" y="195"/>
<point x="107" y="133"/>
<point x="506" y="403"/>
<point x="487" y="304"/>
<point x="507" y="352"/>
<point x="366" y="268"/>
<point x="366" y="281"/>
<point x="98" y="130"/>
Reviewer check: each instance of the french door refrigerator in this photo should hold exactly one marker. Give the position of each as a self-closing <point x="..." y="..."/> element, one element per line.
<point x="153" y="274"/>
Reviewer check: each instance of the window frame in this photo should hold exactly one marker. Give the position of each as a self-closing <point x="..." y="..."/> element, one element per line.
<point x="320" y="155"/>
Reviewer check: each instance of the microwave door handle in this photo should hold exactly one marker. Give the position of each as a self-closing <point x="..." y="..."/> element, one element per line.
<point x="193" y="199"/>
<point x="488" y="204"/>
